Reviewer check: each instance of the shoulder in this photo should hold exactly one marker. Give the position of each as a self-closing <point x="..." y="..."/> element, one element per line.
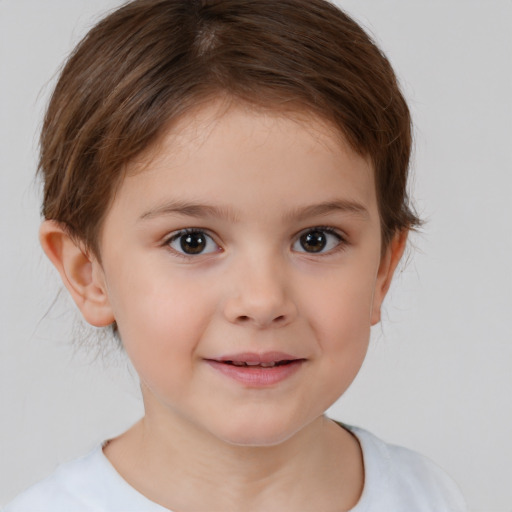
<point x="61" y="490"/>
<point x="87" y="484"/>
<point x="398" y="479"/>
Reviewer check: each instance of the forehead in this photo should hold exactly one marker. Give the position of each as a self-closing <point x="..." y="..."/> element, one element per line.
<point x="223" y="112"/>
<point x="232" y="152"/>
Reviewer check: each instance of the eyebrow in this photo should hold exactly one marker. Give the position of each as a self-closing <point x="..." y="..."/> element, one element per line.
<point x="190" y="210"/>
<point x="197" y="210"/>
<point x="327" y="207"/>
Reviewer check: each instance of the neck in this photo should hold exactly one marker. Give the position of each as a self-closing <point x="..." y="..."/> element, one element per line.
<point x="318" y="468"/>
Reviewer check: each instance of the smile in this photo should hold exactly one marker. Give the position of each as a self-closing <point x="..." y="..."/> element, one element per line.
<point x="257" y="370"/>
<point x="261" y="365"/>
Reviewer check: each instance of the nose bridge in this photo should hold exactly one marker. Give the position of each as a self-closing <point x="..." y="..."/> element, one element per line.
<point x="260" y="294"/>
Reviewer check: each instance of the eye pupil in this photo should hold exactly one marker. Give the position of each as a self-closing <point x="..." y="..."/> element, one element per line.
<point x="313" y="241"/>
<point x="193" y="243"/>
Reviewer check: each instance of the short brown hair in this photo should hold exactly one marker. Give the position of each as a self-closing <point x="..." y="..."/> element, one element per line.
<point x="153" y="60"/>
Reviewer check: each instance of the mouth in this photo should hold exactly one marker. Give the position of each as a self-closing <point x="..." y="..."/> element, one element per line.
<point x="248" y="364"/>
<point x="263" y="360"/>
<point x="257" y="370"/>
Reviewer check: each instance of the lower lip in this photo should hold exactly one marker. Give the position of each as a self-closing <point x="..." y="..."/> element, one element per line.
<point x="257" y="376"/>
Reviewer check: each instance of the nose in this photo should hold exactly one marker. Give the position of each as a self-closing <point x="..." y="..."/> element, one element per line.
<point x="260" y="295"/>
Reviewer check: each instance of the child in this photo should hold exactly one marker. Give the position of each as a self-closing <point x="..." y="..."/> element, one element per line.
<point x="225" y="186"/>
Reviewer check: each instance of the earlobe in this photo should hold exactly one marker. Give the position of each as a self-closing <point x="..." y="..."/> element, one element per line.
<point x="80" y="272"/>
<point x="387" y="267"/>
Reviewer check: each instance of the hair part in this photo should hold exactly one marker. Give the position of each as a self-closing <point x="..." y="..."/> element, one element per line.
<point x="152" y="61"/>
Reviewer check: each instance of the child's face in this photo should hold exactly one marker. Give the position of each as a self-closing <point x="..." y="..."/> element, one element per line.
<point x="283" y="263"/>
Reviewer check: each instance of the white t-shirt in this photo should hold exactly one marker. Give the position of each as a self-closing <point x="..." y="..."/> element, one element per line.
<point x="396" y="480"/>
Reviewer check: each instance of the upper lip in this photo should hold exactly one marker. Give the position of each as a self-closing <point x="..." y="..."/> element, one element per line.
<point x="255" y="358"/>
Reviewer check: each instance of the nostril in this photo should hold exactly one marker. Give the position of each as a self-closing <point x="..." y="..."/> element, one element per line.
<point x="245" y="318"/>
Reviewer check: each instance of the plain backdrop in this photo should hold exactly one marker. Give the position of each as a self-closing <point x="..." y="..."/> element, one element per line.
<point x="438" y="374"/>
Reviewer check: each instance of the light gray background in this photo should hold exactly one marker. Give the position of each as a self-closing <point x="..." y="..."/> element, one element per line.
<point x="438" y="377"/>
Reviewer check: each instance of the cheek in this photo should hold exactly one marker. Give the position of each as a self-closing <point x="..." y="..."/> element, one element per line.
<point x="340" y="317"/>
<point x="342" y="303"/>
<point x="339" y="323"/>
<point x="161" y="322"/>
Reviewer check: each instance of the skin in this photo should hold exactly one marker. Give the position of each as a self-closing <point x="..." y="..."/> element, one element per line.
<point x="256" y="287"/>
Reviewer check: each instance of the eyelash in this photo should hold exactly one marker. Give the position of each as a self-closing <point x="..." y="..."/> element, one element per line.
<point x="341" y="245"/>
<point x="183" y="232"/>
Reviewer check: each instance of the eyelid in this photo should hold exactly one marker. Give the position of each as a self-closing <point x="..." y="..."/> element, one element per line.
<point x="175" y="235"/>
<point x="340" y="235"/>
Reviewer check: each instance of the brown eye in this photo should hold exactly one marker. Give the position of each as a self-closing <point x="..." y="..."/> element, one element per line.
<point x="317" y="240"/>
<point x="192" y="243"/>
<point x="314" y="241"/>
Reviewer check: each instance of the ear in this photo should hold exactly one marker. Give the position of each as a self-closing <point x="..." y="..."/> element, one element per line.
<point x="80" y="271"/>
<point x="387" y="267"/>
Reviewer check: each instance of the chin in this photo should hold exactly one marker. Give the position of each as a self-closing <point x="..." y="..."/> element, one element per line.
<point x="258" y="433"/>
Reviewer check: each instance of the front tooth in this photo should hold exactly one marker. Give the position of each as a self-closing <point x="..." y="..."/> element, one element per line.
<point x="252" y="364"/>
<point x="238" y="363"/>
<point x="268" y="365"/>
